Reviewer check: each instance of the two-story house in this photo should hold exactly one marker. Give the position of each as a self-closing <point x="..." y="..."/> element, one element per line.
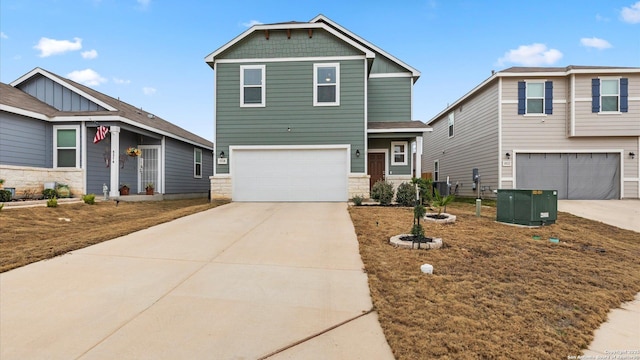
<point x="573" y="129"/>
<point x="309" y="111"/>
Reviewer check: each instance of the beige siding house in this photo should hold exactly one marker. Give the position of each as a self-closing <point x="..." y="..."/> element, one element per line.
<point x="574" y="129"/>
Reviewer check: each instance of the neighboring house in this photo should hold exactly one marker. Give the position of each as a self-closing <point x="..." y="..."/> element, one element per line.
<point x="310" y="112"/>
<point x="573" y="129"/>
<point x="47" y="128"/>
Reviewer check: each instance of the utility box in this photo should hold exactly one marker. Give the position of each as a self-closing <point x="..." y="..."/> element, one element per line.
<point x="527" y="207"/>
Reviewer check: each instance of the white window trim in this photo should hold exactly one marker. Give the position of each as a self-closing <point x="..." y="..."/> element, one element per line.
<point x="195" y="162"/>
<point x="263" y="86"/>
<point x="405" y="153"/>
<point x="436" y="170"/>
<point x="55" y="143"/>
<point x="451" y="124"/>
<point x="617" y="111"/>
<point x="315" y="84"/>
<point x="526" y="97"/>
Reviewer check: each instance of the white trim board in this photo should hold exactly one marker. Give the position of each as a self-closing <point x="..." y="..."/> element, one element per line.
<point x="250" y="61"/>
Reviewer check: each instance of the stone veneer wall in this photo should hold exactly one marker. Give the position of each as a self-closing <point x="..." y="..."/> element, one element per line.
<point x="26" y="178"/>
<point x="359" y="185"/>
<point x="396" y="180"/>
<point x="220" y="187"/>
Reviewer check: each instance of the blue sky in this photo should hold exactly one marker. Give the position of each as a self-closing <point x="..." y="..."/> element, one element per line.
<point x="150" y="53"/>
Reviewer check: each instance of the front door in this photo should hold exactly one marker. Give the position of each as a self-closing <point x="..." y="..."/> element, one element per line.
<point x="149" y="167"/>
<point x="375" y="165"/>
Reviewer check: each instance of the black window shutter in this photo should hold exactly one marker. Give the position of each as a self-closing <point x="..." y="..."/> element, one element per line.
<point x="548" y="97"/>
<point x="522" y="94"/>
<point x="595" y="95"/>
<point x="624" y="95"/>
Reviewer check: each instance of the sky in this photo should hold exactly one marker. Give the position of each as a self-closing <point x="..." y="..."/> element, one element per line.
<point x="150" y="53"/>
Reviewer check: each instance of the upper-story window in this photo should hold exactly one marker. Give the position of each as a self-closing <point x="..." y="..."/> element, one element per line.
<point x="326" y="84"/>
<point x="197" y="163"/>
<point x="535" y="97"/>
<point x="610" y="95"/>
<point x="252" y="85"/>
<point x="451" y="122"/>
<point x="400" y="153"/>
<point x="66" y="140"/>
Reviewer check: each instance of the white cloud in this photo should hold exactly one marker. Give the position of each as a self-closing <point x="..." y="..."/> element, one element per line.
<point x="147" y="90"/>
<point x="144" y="3"/>
<point x="631" y="14"/>
<point x="531" y="55"/>
<point x="87" y="77"/>
<point x="3" y="35"/>
<point x="121" y="81"/>
<point x="50" y="47"/>
<point x="91" y="54"/>
<point x="595" y="42"/>
<point x="251" y="23"/>
<point x="602" y="18"/>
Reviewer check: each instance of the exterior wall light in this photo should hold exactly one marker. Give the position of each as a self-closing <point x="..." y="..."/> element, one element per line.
<point x="508" y="156"/>
<point x="358" y="153"/>
<point x="221" y="154"/>
<point x="632" y="154"/>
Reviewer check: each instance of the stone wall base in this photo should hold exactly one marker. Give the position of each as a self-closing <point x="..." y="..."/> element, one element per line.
<point x="29" y="181"/>
<point x="220" y="187"/>
<point x="359" y="185"/>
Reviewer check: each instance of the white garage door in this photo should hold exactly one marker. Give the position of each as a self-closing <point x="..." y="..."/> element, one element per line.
<point x="289" y="174"/>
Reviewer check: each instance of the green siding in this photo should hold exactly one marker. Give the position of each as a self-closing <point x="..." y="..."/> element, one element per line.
<point x="389" y="99"/>
<point x="382" y="65"/>
<point x="386" y="144"/>
<point x="289" y="104"/>
<point x="256" y="46"/>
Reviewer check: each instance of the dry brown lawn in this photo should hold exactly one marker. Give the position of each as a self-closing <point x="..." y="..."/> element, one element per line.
<point x="32" y="234"/>
<point x="496" y="293"/>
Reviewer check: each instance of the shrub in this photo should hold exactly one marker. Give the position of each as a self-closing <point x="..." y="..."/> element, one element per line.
<point x="5" y="195"/>
<point x="357" y="200"/>
<point x="382" y="191"/>
<point x="53" y="202"/>
<point x="406" y="195"/>
<point x="89" y="199"/>
<point x="49" y="193"/>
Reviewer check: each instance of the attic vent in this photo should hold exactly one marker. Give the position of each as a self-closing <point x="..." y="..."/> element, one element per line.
<point x="150" y="116"/>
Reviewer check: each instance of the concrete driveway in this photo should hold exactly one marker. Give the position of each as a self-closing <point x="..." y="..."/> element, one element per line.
<point x="624" y="214"/>
<point x="241" y="281"/>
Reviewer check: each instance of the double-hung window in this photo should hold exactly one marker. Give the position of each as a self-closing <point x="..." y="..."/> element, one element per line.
<point x="451" y="121"/>
<point x="66" y="150"/>
<point x="326" y="84"/>
<point x="535" y="97"/>
<point x="400" y="152"/>
<point x="610" y="95"/>
<point x="436" y="170"/>
<point x="197" y="163"/>
<point x="252" y="86"/>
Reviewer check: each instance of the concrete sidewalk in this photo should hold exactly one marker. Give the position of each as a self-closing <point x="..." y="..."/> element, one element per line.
<point x="619" y="336"/>
<point x="241" y="281"/>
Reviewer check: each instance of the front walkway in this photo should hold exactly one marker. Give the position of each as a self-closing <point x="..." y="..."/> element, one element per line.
<point x="241" y="281"/>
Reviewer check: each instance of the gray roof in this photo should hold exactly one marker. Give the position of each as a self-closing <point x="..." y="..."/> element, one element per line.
<point x="123" y="109"/>
<point x="17" y="98"/>
<point x="523" y="69"/>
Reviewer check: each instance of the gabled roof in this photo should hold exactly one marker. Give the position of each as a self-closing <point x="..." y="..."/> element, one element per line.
<point x="14" y="100"/>
<point x="319" y="22"/>
<point x="118" y="110"/>
<point x="321" y="18"/>
<point x="519" y="71"/>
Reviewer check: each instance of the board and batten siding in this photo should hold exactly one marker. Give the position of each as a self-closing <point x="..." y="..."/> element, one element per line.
<point x="57" y="96"/>
<point x="321" y="44"/>
<point x="389" y="99"/>
<point x="179" y="168"/>
<point x="588" y="123"/>
<point x="382" y="65"/>
<point x="289" y="106"/>
<point x="25" y="141"/>
<point x="474" y="144"/>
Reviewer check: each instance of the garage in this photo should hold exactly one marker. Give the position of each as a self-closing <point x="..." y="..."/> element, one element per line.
<point x="289" y="174"/>
<point x="576" y="176"/>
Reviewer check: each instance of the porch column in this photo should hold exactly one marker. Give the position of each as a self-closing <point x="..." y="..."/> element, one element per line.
<point x="114" y="167"/>
<point x="418" y="156"/>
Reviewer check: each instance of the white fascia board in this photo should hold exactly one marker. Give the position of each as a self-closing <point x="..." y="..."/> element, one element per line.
<point x="416" y="74"/>
<point x="399" y="130"/>
<point x="287" y="59"/>
<point x="23" y="112"/>
<point x="390" y="75"/>
<point x="124" y="120"/>
<point x="569" y="72"/>
<point x="62" y="83"/>
<point x="211" y="58"/>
